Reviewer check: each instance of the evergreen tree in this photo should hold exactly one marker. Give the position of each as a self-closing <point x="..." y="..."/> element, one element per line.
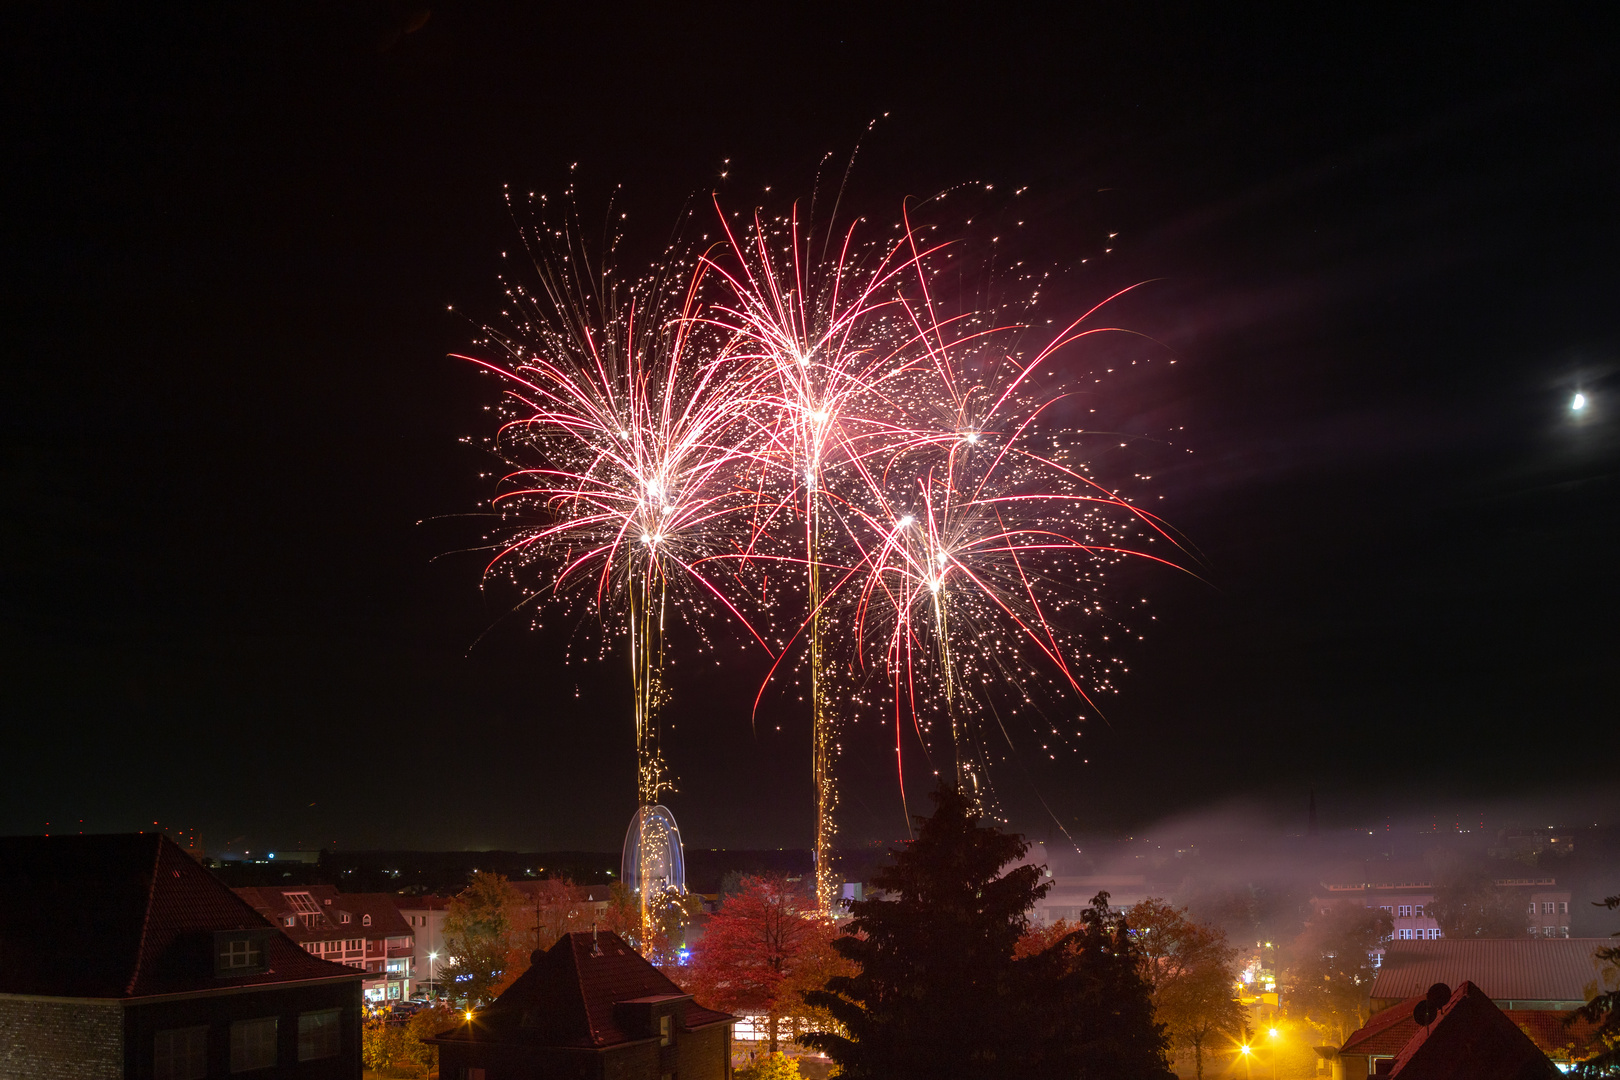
<point x="938" y="992"/>
<point x="943" y="992"/>
<point x="1093" y="1006"/>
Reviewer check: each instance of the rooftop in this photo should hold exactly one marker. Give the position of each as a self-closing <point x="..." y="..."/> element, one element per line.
<point x="1505" y="969"/>
<point x="122" y="916"/>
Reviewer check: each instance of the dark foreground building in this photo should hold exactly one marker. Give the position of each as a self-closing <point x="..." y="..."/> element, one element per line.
<point x="590" y="1008"/>
<point x="120" y="957"/>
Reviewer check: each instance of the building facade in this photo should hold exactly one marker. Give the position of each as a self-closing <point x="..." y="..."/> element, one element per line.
<point x="121" y="957"/>
<point x="365" y="931"/>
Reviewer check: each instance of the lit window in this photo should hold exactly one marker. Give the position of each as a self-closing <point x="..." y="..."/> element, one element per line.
<point x="181" y="1054"/>
<point x="664" y="1028"/>
<point x="318" y="1034"/>
<point x="253" y="1044"/>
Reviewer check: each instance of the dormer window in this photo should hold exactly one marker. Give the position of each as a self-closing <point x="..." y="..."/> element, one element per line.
<point x="290" y="920"/>
<point x="365" y="920"/>
<point x="345" y="916"/>
<point x="239" y="952"/>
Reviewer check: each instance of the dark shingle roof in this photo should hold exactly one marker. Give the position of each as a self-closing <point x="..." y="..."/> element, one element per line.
<point x="124" y="916"/>
<point x="566" y="998"/>
<point x="1472" y="1040"/>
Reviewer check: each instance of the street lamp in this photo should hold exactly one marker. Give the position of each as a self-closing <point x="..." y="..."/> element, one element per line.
<point x="433" y="987"/>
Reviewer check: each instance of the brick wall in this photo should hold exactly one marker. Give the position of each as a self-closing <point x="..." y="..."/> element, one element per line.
<point x="60" y="1040"/>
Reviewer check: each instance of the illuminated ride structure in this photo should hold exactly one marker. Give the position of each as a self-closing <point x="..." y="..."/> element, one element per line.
<point x="652" y="865"/>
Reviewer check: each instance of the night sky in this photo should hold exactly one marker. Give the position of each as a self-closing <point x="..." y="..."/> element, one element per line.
<point x="1383" y="251"/>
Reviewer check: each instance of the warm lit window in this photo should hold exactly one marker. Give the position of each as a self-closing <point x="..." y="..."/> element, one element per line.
<point x="253" y="1044"/>
<point x="664" y="1027"/>
<point x="181" y="1054"/>
<point x="318" y="1034"/>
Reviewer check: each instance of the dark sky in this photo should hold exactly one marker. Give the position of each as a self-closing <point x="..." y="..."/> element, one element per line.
<point x="1383" y="250"/>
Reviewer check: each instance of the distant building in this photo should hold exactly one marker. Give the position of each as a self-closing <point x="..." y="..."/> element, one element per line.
<point x="1515" y="973"/>
<point x="590" y="1007"/>
<point x="1409" y="899"/>
<point x="120" y="956"/>
<point x="362" y="930"/>
<point x="425" y="916"/>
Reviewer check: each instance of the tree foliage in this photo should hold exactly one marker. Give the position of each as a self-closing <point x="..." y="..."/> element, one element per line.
<point x="1604" y="1010"/>
<point x="1192" y="974"/>
<point x="484" y="939"/>
<point x="944" y="989"/>
<point x="671" y="914"/>
<point x="762" y="951"/>
<point x="1330" y="973"/>
<point x="1468" y="904"/>
<point x="773" y="1066"/>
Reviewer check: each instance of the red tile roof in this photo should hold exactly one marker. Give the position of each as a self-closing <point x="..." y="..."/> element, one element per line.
<point x="1471" y="1040"/>
<point x="567" y="997"/>
<point x="1390" y="1030"/>
<point x="125" y="916"/>
<point x="1522" y="969"/>
<point x="1385" y="1033"/>
<point x="273" y="904"/>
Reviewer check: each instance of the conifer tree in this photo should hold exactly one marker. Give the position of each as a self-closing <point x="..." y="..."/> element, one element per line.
<point x="938" y="992"/>
<point x="942" y="993"/>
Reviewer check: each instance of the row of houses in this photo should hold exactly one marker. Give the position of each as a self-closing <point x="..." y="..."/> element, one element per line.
<point x="122" y="957"/>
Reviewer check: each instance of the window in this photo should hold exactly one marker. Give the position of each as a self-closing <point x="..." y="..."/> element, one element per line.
<point x="318" y="1034"/>
<point x="1563" y="907"/>
<point x="302" y="901"/>
<point x="1532" y="907"/>
<point x="253" y="1044"/>
<point x="289" y="920"/>
<point x="1406" y="911"/>
<point x="181" y="1054"/>
<point x="1547" y="908"/>
<point x="1563" y="931"/>
<point x="345" y="917"/>
<point x="1532" y="930"/>
<point x="664" y="1028"/>
<point x="365" y="920"/>
<point x="239" y="952"/>
<point x="1419" y="911"/>
<point x="1434" y="933"/>
<point x="1547" y="931"/>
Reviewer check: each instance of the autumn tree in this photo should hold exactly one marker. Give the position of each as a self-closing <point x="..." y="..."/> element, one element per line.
<point x="1468" y="904"/>
<point x="671" y="914"/>
<point x="761" y="951"/>
<point x="1330" y="971"/>
<point x="484" y="938"/>
<point x="1191" y="972"/>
